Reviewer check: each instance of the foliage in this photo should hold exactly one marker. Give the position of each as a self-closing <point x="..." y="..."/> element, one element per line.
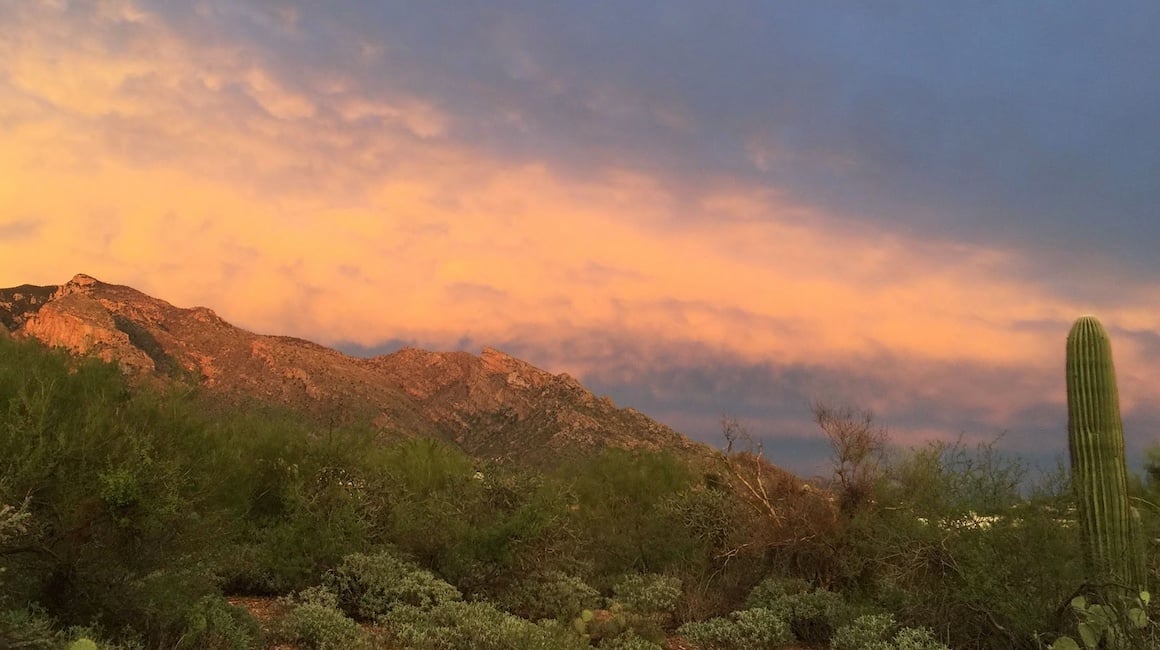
<point x="135" y="509"/>
<point x="549" y="595"/>
<point x="457" y="625"/>
<point x="858" y="447"/>
<point x="642" y="604"/>
<point x="314" y="621"/>
<point x="648" y="593"/>
<point x="748" y="629"/>
<point x="812" y="614"/>
<point x="630" y="640"/>
<point x="27" y="628"/>
<point x="478" y="533"/>
<point x="119" y="525"/>
<point x="917" y="638"/>
<point x="949" y="538"/>
<point x="214" y="624"/>
<point x="620" y="510"/>
<point x="300" y="497"/>
<point x="878" y="632"/>
<point x="370" y="585"/>
<point x="13" y="525"/>
<point x="1102" y="625"/>
<point x="868" y="632"/>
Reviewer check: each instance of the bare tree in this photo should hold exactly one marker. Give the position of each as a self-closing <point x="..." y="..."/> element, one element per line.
<point x="734" y="431"/>
<point x="858" y="447"/>
<point x="795" y="511"/>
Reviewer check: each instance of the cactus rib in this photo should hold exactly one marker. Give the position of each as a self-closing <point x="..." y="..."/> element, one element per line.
<point x="1096" y="446"/>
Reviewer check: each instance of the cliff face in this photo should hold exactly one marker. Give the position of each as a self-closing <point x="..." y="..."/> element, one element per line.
<point x="83" y="326"/>
<point x="492" y="405"/>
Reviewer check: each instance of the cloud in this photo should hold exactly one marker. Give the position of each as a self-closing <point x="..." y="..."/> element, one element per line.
<point x="20" y="229"/>
<point x="688" y="385"/>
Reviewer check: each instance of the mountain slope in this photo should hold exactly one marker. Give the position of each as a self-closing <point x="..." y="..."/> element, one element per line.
<point x="491" y="405"/>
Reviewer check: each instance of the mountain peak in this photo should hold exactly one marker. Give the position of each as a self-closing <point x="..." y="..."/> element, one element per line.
<point x="501" y="362"/>
<point x="83" y="280"/>
<point x="491" y="405"/>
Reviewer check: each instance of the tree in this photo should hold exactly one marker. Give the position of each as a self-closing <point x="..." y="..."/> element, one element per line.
<point x="858" y="447"/>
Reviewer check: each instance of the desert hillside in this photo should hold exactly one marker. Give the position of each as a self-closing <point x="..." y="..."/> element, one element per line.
<point x="491" y="405"/>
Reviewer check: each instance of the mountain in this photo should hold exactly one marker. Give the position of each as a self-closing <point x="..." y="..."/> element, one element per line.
<point x="492" y="405"/>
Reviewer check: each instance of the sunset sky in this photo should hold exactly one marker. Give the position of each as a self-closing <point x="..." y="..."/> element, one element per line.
<point x="694" y="207"/>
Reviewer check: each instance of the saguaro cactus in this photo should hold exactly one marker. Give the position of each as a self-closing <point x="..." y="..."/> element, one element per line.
<point x="1096" y="443"/>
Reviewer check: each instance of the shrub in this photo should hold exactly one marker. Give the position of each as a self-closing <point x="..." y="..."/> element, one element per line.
<point x="912" y="638"/>
<point x="621" y="510"/>
<point x="873" y="632"/>
<point x="87" y="637"/>
<point x="13" y="524"/>
<point x="369" y="585"/>
<point x="749" y="629"/>
<point x="867" y="632"/>
<point x="478" y="534"/>
<point x="214" y="624"/>
<point x="315" y="622"/>
<point x="921" y="552"/>
<point x="27" y="628"/>
<point x="549" y="595"/>
<point x="773" y="590"/>
<point x="713" y="634"/>
<point x="813" y="615"/>
<point x="628" y="641"/>
<point x="124" y="517"/>
<point x="762" y="628"/>
<point x="648" y="593"/>
<point x="457" y="625"/>
<point x="301" y="514"/>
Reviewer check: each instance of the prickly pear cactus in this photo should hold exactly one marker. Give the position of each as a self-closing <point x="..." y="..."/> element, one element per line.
<point x="1096" y="443"/>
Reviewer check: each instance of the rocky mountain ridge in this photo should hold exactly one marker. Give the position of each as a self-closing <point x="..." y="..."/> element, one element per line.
<point x="492" y="405"/>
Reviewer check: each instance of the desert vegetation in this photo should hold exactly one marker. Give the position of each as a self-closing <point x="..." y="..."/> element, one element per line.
<point x="136" y="516"/>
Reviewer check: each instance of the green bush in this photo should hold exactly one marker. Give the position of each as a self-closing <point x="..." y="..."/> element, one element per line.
<point x="923" y="551"/>
<point x="214" y="624"/>
<point x="714" y="634"/>
<point x="549" y="595"/>
<point x="874" y="632"/>
<point x="648" y="593"/>
<point x="478" y="534"/>
<point x="370" y="585"/>
<point x="868" y="632"/>
<point x="749" y="629"/>
<point x="13" y="525"/>
<point x="300" y="513"/>
<point x="27" y="628"/>
<point x="86" y="637"/>
<point x="910" y="638"/>
<point x="460" y="625"/>
<point x="123" y="519"/>
<point x="621" y="511"/>
<point x="813" y="615"/>
<point x="774" y="589"/>
<point x="1119" y="623"/>
<point x="628" y="641"/>
<point x="314" y="621"/>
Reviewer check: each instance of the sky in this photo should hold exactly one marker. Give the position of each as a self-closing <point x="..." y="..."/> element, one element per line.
<point x="696" y="208"/>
